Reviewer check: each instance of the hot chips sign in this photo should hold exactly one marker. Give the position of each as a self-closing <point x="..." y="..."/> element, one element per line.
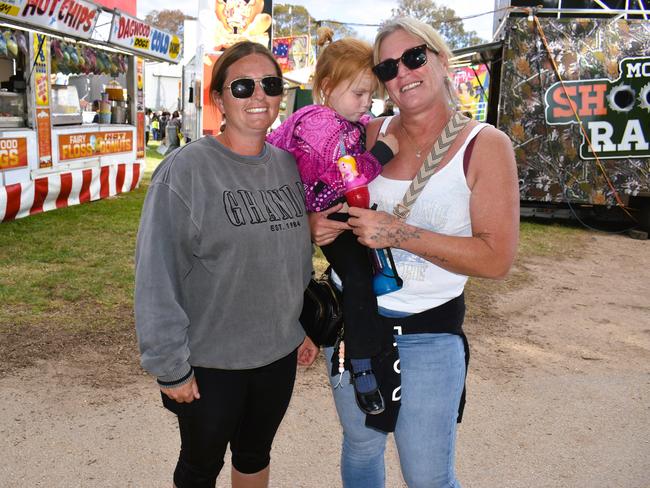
<point x="94" y="144"/>
<point x="73" y="17"/>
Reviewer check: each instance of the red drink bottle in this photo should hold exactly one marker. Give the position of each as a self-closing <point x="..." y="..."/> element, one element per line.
<point x="385" y="277"/>
<point x="356" y="188"/>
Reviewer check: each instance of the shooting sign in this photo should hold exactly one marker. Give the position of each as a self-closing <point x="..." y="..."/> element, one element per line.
<point x="74" y="17"/>
<point x="141" y="38"/>
<point x="94" y="144"/>
<point x="615" y="114"/>
<point x="13" y="153"/>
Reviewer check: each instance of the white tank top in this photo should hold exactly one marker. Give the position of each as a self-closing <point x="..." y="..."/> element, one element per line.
<point x="442" y="207"/>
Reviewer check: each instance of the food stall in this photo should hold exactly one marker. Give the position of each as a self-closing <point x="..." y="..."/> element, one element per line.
<point x="71" y="103"/>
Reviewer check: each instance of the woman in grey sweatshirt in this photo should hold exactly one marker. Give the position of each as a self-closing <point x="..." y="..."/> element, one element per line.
<point x="223" y="257"/>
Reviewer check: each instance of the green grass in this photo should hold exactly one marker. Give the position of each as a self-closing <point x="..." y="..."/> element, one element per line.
<point x="66" y="276"/>
<point x="52" y="262"/>
<point x="549" y="239"/>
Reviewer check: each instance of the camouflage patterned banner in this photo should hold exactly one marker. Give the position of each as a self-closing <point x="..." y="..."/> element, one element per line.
<point x="604" y="66"/>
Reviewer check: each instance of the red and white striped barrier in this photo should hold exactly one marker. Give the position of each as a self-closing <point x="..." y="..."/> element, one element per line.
<point x="72" y="187"/>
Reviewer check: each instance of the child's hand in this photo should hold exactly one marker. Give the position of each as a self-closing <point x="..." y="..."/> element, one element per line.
<point x="391" y="141"/>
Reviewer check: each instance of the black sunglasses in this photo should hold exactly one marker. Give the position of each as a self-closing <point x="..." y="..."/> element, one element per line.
<point x="273" y="86"/>
<point x="412" y="58"/>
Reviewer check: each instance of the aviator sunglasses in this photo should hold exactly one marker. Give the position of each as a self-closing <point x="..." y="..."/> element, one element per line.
<point x="245" y="87"/>
<point x="412" y="58"/>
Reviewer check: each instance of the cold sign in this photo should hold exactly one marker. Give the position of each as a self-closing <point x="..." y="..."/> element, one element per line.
<point x="159" y="42"/>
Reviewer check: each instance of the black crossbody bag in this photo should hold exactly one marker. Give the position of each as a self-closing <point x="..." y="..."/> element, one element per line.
<point x="322" y="313"/>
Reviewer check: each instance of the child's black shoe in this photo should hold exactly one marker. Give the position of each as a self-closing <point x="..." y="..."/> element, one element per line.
<point x="371" y="402"/>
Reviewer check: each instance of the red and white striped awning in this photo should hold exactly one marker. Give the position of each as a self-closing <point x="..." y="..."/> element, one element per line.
<point x="61" y="190"/>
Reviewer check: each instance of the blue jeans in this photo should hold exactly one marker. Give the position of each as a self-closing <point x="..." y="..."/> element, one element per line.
<point x="433" y="375"/>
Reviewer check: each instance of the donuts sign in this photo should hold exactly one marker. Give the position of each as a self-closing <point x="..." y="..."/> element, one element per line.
<point x="93" y="144"/>
<point x="615" y="114"/>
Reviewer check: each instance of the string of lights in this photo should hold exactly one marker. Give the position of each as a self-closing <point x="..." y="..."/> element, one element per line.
<point x="453" y="19"/>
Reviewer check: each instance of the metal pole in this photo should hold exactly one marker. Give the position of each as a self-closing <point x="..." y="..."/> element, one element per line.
<point x="290" y="21"/>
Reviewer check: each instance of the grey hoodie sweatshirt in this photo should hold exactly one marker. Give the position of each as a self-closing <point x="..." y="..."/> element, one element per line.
<point x="223" y="256"/>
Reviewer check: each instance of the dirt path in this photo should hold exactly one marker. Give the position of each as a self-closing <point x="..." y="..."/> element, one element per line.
<point x="559" y="396"/>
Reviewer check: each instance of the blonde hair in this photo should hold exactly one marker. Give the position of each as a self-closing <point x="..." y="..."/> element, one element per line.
<point x="422" y="31"/>
<point x="324" y="36"/>
<point x="341" y="61"/>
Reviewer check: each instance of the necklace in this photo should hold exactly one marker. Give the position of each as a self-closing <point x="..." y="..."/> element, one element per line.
<point x="418" y="150"/>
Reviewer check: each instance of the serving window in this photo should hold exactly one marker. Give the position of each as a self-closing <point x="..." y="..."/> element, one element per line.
<point x="87" y="85"/>
<point x="13" y="56"/>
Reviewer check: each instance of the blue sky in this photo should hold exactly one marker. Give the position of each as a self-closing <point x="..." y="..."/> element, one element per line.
<point x="358" y="11"/>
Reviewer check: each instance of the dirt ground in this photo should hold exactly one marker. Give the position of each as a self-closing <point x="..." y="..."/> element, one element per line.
<point x="558" y="396"/>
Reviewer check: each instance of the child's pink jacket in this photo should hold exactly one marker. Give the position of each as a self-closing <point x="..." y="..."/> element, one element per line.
<point x="312" y="135"/>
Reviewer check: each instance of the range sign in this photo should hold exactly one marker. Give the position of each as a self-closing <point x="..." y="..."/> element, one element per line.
<point x="615" y="114"/>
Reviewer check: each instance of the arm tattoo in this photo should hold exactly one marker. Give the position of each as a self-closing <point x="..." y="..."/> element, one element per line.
<point x="434" y="259"/>
<point x="395" y="232"/>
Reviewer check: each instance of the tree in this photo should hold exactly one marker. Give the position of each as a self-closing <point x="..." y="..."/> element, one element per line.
<point x="443" y="19"/>
<point x="296" y="20"/>
<point x="168" y="20"/>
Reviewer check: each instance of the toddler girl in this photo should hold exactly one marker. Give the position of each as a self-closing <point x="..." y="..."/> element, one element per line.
<point x="317" y="136"/>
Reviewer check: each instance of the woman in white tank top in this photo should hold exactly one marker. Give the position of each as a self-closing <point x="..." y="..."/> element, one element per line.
<point x="464" y="223"/>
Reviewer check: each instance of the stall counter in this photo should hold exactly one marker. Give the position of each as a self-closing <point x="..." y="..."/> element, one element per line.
<point x="98" y="161"/>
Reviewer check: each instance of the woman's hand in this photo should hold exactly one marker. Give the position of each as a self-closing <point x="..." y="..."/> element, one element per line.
<point x="323" y="230"/>
<point x="378" y="229"/>
<point x="307" y="352"/>
<point x="186" y="393"/>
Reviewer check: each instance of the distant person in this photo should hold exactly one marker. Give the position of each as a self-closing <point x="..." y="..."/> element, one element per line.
<point x="389" y="109"/>
<point x="164" y="120"/>
<point x="95" y="108"/>
<point x="147" y="126"/>
<point x="223" y="257"/>
<point x="155" y="127"/>
<point x="173" y="132"/>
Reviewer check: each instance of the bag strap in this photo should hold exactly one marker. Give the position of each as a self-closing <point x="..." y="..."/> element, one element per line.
<point x="429" y="166"/>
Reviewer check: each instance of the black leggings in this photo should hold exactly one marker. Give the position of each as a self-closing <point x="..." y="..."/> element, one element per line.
<point x="351" y="262"/>
<point x="243" y="407"/>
